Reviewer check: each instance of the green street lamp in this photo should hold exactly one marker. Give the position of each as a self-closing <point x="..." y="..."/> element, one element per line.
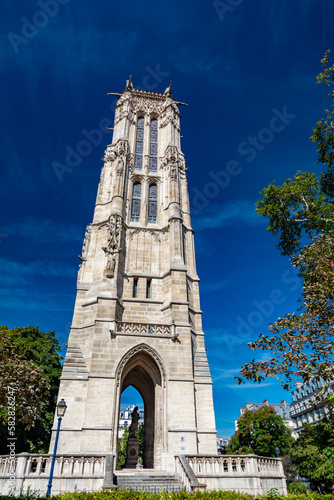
<point x="61" y="409"/>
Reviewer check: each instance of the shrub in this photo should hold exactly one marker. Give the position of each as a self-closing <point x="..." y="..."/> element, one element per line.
<point x="298" y="487"/>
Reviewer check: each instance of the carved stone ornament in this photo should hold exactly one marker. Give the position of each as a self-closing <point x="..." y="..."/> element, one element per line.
<point x="120" y="167"/>
<point x="124" y="106"/>
<point x="129" y="85"/>
<point x="147" y="105"/>
<point x="153" y="233"/>
<point x="109" y="155"/>
<point x="173" y="171"/>
<point x="171" y="161"/>
<point x="135" y="350"/>
<point x="169" y="116"/>
<point x="113" y="334"/>
<point x="122" y="148"/>
<point x="182" y="163"/>
<point x="171" y="154"/>
<point x="79" y="274"/>
<point x="115" y="225"/>
<point x="86" y="241"/>
<point x="126" y="96"/>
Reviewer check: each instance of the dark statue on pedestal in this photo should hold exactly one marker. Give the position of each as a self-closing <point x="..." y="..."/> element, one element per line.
<point x="133" y="443"/>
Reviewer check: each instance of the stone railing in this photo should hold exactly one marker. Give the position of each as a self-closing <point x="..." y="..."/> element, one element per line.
<point x="270" y="467"/>
<point x="236" y="465"/>
<point x="246" y="473"/>
<point x="187" y="477"/>
<point x="70" y="471"/>
<point x="66" y="465"/>
<point x="143" y="329"/>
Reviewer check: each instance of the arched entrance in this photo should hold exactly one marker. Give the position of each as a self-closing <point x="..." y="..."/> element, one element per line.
<point x="143" y="369"/>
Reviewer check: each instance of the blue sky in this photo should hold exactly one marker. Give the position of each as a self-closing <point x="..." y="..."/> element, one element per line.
<point x="248" y="71"/>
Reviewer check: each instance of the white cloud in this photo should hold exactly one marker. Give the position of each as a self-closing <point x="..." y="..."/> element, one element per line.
<point x="225" y="337"/>
<point x="35" y="300"/>
<point x="45" y="230"/>
<point x="225" y="373"/>
<point x="17" y="272"/>
<point x="248" y="385"/>
<point x="230" y="214"/>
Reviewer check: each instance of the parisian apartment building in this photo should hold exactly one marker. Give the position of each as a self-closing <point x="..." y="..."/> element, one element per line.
<point x="304" y="407"/>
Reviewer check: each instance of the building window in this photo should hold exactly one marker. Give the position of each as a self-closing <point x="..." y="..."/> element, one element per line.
<point x="154" y="145"/>
<point x="148" y="289"/>
<point x="135" y="287"/>
<point x="135" y="208"/>
<point x="139" y="144"/>
<point x="152" y="203"/>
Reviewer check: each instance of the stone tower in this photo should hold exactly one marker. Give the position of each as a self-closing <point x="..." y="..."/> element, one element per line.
<point x="137" y="317"/>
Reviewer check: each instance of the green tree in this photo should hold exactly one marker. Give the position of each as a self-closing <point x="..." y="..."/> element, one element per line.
<point x="301" y="215"/>
<point x="260" y="432"/>
<point x="313" y="454"/>
<point x="122" y="446"/>
<point x="30" y="365"/>
<point x="140" y="436"/>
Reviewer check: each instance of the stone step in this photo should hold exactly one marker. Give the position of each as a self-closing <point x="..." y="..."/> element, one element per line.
<point x="147" y="481"/>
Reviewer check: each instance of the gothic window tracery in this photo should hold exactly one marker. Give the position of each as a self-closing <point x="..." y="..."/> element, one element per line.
<point x="152" y="203"/>
<point x="136" y="200"/>
<point x="139" y="144"/>
<point x="154" y="145"/>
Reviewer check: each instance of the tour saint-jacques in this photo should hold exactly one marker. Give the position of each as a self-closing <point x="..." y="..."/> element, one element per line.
<point x="137" y="322"/>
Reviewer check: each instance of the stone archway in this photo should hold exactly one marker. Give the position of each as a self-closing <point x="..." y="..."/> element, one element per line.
<point x="143" y="369"/>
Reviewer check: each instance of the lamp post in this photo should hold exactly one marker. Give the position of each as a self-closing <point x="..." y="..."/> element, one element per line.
<point x="277" y="451"/>
<point x="61" y="409"/>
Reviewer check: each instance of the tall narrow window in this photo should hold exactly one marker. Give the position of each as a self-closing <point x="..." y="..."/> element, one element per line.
<point x="135" y="287"/>
<point x="135" y="208"/>
<point x="139" y="144"/>
<point x="148" y="289"/>
<point x="154" y="145"/>
<point x="152" y="203"/>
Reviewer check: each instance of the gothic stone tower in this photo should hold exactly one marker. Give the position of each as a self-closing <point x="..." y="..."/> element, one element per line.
<point x="137" y="317"/>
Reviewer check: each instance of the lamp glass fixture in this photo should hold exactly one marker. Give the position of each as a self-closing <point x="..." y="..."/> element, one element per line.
<point x="61" y="408"/>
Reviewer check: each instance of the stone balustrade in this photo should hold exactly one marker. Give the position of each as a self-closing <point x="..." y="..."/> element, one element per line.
<point x="70" y="472"/>
<point x="246" y="473"/>
<point x="235" y="465"/>
<point x="187" y="477"/>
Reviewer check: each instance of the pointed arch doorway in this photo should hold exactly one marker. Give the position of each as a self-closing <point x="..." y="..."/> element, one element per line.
<point x="143" y="369"/>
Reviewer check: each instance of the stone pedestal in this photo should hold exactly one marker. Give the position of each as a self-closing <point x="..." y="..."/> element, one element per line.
<point x="132" y="453"/>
